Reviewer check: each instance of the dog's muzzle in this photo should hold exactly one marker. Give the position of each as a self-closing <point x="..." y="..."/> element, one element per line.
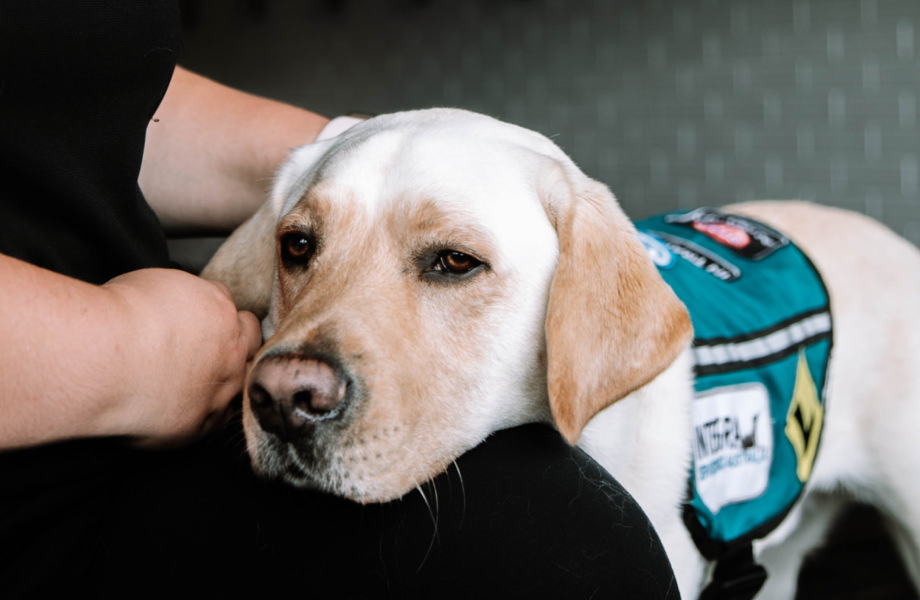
<point x="290" y="394"/>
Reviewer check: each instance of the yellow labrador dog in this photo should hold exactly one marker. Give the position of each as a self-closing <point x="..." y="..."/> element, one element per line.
<point x="427" y="278"/>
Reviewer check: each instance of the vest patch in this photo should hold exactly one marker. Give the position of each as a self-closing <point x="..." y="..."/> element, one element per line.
<point x="733" y="444"/>
<point x="762" y="341"/>
<point x="804" y="420"/>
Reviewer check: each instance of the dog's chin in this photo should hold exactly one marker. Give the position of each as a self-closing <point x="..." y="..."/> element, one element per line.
<point x="337" y="470"/>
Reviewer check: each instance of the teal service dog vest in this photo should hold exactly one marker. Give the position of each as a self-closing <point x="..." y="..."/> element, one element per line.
<point x="762" y="342"/>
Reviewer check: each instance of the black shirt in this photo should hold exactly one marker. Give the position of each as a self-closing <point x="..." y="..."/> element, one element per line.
<point x="79" y="82"/>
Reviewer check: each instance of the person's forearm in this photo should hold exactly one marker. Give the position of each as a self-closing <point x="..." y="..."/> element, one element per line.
<point x="58" y="367"/>
<point x="154" y="356"/>
<point x="212" y="151"/>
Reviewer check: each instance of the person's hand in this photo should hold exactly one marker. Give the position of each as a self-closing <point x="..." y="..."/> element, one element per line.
<point x="185" y="356"/>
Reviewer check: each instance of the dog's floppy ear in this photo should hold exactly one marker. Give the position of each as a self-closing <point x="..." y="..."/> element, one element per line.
<point x="245" y="262"/>
<point x="612" y="323"/>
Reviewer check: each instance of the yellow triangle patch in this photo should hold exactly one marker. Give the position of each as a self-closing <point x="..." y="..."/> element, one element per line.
<point x="805" y="419"/>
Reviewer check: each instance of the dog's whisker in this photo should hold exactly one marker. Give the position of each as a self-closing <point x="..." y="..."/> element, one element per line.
<point x="432" y="509"/>
<point x="462" y="491"/>
<point x="433" y="513"/>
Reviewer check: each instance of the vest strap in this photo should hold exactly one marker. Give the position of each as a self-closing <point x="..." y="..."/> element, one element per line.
<point x="736" y="577"/>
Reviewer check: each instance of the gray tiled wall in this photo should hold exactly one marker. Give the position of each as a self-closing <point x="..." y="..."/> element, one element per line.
<point x="671" y="103"/>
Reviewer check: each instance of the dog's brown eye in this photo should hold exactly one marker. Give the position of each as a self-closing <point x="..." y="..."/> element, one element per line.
<point x="296" y="247"/>
<point x="456" y="263"/>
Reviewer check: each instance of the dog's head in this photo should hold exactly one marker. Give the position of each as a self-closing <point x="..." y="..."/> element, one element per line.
<point x="428" y="278"/>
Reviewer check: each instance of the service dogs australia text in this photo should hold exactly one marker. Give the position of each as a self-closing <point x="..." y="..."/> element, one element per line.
<point x="721" y="443"/>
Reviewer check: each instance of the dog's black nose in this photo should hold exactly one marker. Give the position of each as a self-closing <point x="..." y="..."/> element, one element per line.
<point x="287" y="393"/>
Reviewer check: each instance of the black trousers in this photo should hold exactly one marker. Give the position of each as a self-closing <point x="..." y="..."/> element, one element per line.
<point x="521" y="516"/>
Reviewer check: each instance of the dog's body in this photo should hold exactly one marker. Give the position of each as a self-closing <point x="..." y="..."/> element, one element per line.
<point x="428" y="278"/>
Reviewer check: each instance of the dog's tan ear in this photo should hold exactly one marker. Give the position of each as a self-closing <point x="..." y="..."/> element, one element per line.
<point x="612" y="323"/>
<point x="245" y="262"/>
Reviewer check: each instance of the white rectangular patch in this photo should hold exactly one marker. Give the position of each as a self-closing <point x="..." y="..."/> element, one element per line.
<point x="732" y="444"/>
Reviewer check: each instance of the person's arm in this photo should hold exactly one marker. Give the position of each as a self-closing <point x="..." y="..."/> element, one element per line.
<point x="212" y="152"/>
<point x="155" y="355"/>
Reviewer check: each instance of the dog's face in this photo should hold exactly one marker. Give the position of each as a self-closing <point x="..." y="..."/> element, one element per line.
<point x="426" y="279"/>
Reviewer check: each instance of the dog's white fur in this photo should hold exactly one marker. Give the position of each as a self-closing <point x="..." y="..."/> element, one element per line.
<point x="567" y="322"/>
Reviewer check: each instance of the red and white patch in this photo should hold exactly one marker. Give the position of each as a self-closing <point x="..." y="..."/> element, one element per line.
<point x="728" y="235"/>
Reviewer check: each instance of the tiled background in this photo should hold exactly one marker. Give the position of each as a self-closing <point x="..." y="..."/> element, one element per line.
<point x="672" y="103"/>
